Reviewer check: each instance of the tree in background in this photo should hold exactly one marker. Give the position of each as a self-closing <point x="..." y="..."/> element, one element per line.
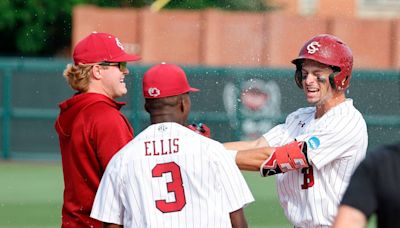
<point x="35" y="27"/>
<point x="244" y="5"/>
<point x="43" y="27"/>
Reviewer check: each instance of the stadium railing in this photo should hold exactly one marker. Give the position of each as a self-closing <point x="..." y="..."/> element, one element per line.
<point x="237" y="103"/>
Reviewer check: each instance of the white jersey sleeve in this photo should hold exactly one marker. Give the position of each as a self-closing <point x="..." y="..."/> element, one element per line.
<point x="331" y="137"/>
<point x="336" y="140"/>
<point x="233" y="184"/>
<point x="107" y="206"/>
<point x="276" y="135"/>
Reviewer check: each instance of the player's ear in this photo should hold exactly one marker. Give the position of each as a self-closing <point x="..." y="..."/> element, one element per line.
<point x="184" y="107"/>
<point x="146" y="107"/>
<point x="185" y="103"/>
<point x="96" y="71"/>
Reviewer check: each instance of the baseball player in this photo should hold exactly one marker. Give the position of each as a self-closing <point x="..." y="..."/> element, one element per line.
<point x="169" y="175"/>
<point x="317" y="149"/>
<point x="90" y="127"/>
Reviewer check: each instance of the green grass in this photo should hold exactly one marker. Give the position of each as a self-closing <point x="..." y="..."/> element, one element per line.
<point x="31" y="196"/>
<point x="265" y="211"/>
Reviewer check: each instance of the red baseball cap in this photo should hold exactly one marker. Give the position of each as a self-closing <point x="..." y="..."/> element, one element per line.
<point x="101" y="47"/>
<point x="165" y="80"/>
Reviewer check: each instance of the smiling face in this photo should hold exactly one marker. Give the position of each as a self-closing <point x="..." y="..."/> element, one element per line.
<point x="113" y="81"/>
<point x="315" y="81"/>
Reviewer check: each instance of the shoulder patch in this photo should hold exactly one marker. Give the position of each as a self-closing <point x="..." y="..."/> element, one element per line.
<point x="313" y="143"/>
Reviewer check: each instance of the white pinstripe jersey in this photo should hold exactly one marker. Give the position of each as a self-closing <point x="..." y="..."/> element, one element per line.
<point x="337" y="142"/>
<point x="170" y="176"/>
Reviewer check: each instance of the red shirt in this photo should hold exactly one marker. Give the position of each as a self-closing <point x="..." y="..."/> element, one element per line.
<point x="91" y="130"/>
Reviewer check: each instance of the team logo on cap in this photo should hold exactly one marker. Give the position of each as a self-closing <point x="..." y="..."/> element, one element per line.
<point x="313" y="47"/>
<point x="119" y="44"/>
<point x="154" y="92"/>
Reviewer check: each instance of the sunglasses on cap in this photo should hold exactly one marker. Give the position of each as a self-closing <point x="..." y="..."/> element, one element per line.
<point x="121" y="65"/>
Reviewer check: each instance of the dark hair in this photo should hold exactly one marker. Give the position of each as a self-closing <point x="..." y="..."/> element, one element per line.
<point x="153" y="104"/>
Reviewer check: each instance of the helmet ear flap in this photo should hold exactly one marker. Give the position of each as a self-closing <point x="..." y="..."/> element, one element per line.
<point x="336" y="71"/>
<point x="298" y="77"/>
<point x="332" y="80"/>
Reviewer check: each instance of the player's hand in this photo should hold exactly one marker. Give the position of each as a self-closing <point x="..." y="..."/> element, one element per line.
<point x="286" y="158"/>
<point x="201" y="128"/>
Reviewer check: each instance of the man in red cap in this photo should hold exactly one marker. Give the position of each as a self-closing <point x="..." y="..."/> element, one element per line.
<point x="170" y="176"/>
<point x="90" y="126"/>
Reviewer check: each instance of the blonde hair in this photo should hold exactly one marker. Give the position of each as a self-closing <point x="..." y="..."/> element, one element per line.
<point x="78" y="76"/>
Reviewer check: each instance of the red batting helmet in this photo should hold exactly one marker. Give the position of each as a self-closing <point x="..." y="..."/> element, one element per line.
<point x="331" y="51"/>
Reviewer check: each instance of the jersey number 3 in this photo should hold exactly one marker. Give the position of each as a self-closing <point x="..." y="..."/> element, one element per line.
<point x="175" y="186"/>
<point x="308" y="177"/>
